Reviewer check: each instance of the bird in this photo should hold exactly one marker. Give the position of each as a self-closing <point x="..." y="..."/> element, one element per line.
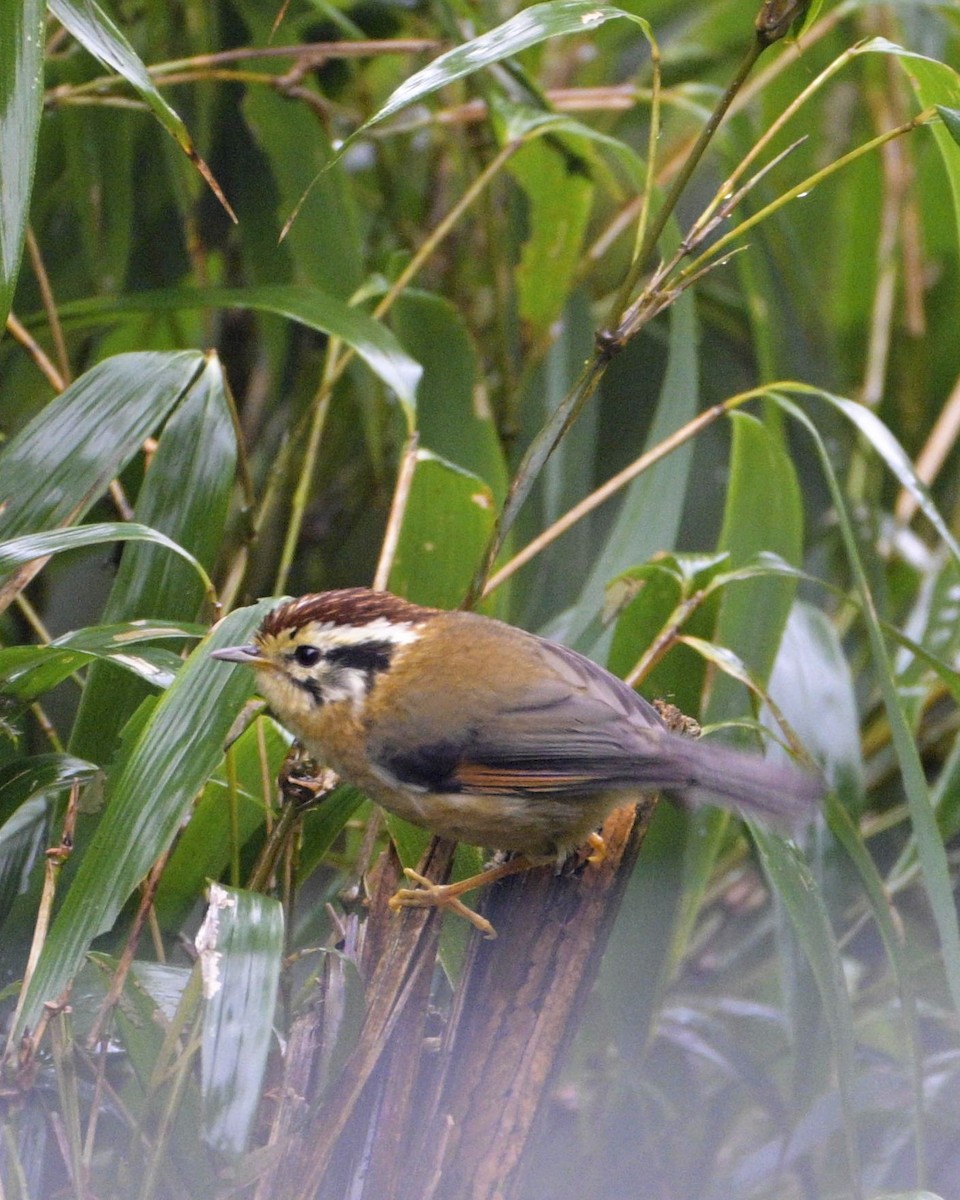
<point x="483" y="733"/>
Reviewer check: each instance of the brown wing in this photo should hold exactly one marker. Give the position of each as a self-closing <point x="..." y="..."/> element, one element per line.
<point x="574" y="729"/>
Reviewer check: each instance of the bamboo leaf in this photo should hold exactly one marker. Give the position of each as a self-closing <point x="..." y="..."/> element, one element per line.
<point x="790" y="877"/>
<point x="930" y="849"/>
<point x="54" y="469"/>
<point x="373" y="342"/>
<point x="21" y="98"/>
<point x="176" y="750"/>
<point x="94" y="29"/>
<point x="447" y="522"/>
<point x="241" y="945"/>
<point x="185" y="495"/>
<point x="528" y="28"/>
<point x="16" y="551"/>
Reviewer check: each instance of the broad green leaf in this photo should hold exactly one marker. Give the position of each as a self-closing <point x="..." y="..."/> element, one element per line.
<point x="528" y="28"/>
<point x="559" y="192"/>
<point x="790" y="877"/>
<point x="53" y="471"/>
<point x="21" y="99"/>
<point x="23" y="840"/>
<point x="951" y="120"/>
<point x="652" y="505"/>
<point x="28" y="790"/>
<point x="203" y="850"/>
<point x="324" y="243"/>
<point x="101" y="164"/>
<point x="241" y="945"/>
<point x="176" y="750"/>
<point x="522" y="123"/>
<point x="937" y="85"/>
<point x="452" y="419"/>
<point x="658" y="593"/>
<point x="40" y="775"/>
<point x="447" y="522"/>
<point x="930" y="849"/>
<point x="94" y="30"/>
<point x="27" y="672"/>
<point x="30" y="546"/>
<point x="323" y="825"/>
<point x="185" y="494"/>
<point x="812" y="683"/>
<point x="764" y="513"/>
<point x="373" y="342"/>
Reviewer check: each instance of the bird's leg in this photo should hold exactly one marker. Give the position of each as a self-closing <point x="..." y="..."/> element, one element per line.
<point x="447" y="895"/>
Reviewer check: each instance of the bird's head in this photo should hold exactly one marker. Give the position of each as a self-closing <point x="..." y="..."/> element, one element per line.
<point x="327" y="647"/>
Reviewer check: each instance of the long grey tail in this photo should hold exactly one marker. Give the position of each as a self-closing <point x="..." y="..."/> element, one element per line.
<point x="779" y="794"/>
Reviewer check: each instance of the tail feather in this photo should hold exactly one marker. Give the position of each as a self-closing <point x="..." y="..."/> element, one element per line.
<point x="778" y="793"/>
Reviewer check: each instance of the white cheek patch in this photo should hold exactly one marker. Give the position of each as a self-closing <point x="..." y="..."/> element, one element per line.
<point x="346" y="683"/>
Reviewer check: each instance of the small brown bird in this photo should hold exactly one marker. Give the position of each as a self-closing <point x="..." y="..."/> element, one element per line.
<point x="486" y="734"/>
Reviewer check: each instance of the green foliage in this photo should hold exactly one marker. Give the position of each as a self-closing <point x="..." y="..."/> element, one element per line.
<point x="518" y="262"/>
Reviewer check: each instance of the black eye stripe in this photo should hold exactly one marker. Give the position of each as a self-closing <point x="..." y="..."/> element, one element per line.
<point x="363" y="656"/>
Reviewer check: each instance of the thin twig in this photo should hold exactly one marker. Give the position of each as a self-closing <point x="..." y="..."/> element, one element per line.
<point x="20" y="334"/>
<point x="607" y="490"/>
<point x="49" y="307"/>
<point x="401" y="494"/>
<point x="940" y="442"/>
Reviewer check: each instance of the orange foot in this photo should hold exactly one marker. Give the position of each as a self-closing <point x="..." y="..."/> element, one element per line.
<point x="447" y="895"/>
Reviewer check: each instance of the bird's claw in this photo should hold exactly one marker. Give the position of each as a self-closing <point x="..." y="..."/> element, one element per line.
<point x="428" y="894"/>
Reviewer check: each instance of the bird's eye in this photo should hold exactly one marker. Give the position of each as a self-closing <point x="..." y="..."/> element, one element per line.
<point x="307" y="656"/>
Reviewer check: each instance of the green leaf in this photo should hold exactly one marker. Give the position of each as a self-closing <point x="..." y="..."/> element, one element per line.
<point x="930" y="849"/>
<point x="23" y="841"/>
<point x="323" y="825"/>
<point x="446" y="525"/>
<point x="241" y="945"/>
<point x="650" y="512"/>
<point x="528" y="28"/>
<point x="951" y="119"/>
<point x="176" y="750"/>
<point x="203" y="850"/>
<point x="28" y="671"/>
<point x="793" y="883"/>
<point x="21" y="99"/>
<point x="94" y="30"/>
<point x="812" y="683"/>
<point x="324" y="244"/>
<point x="185" y="495"/>
<point x="28" y="791"/>
<point x="373" y="342"/>
<point x="55" y="468"/>
<point x="451" y="420"/>
<point x="764" y="512"/>
<point x="937" y="85"/>
<point x="559" y="191"/>
<point x="17" y="551"/>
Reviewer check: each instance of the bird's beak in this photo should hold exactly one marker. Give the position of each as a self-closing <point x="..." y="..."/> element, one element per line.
<point x="248" y="655"/>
